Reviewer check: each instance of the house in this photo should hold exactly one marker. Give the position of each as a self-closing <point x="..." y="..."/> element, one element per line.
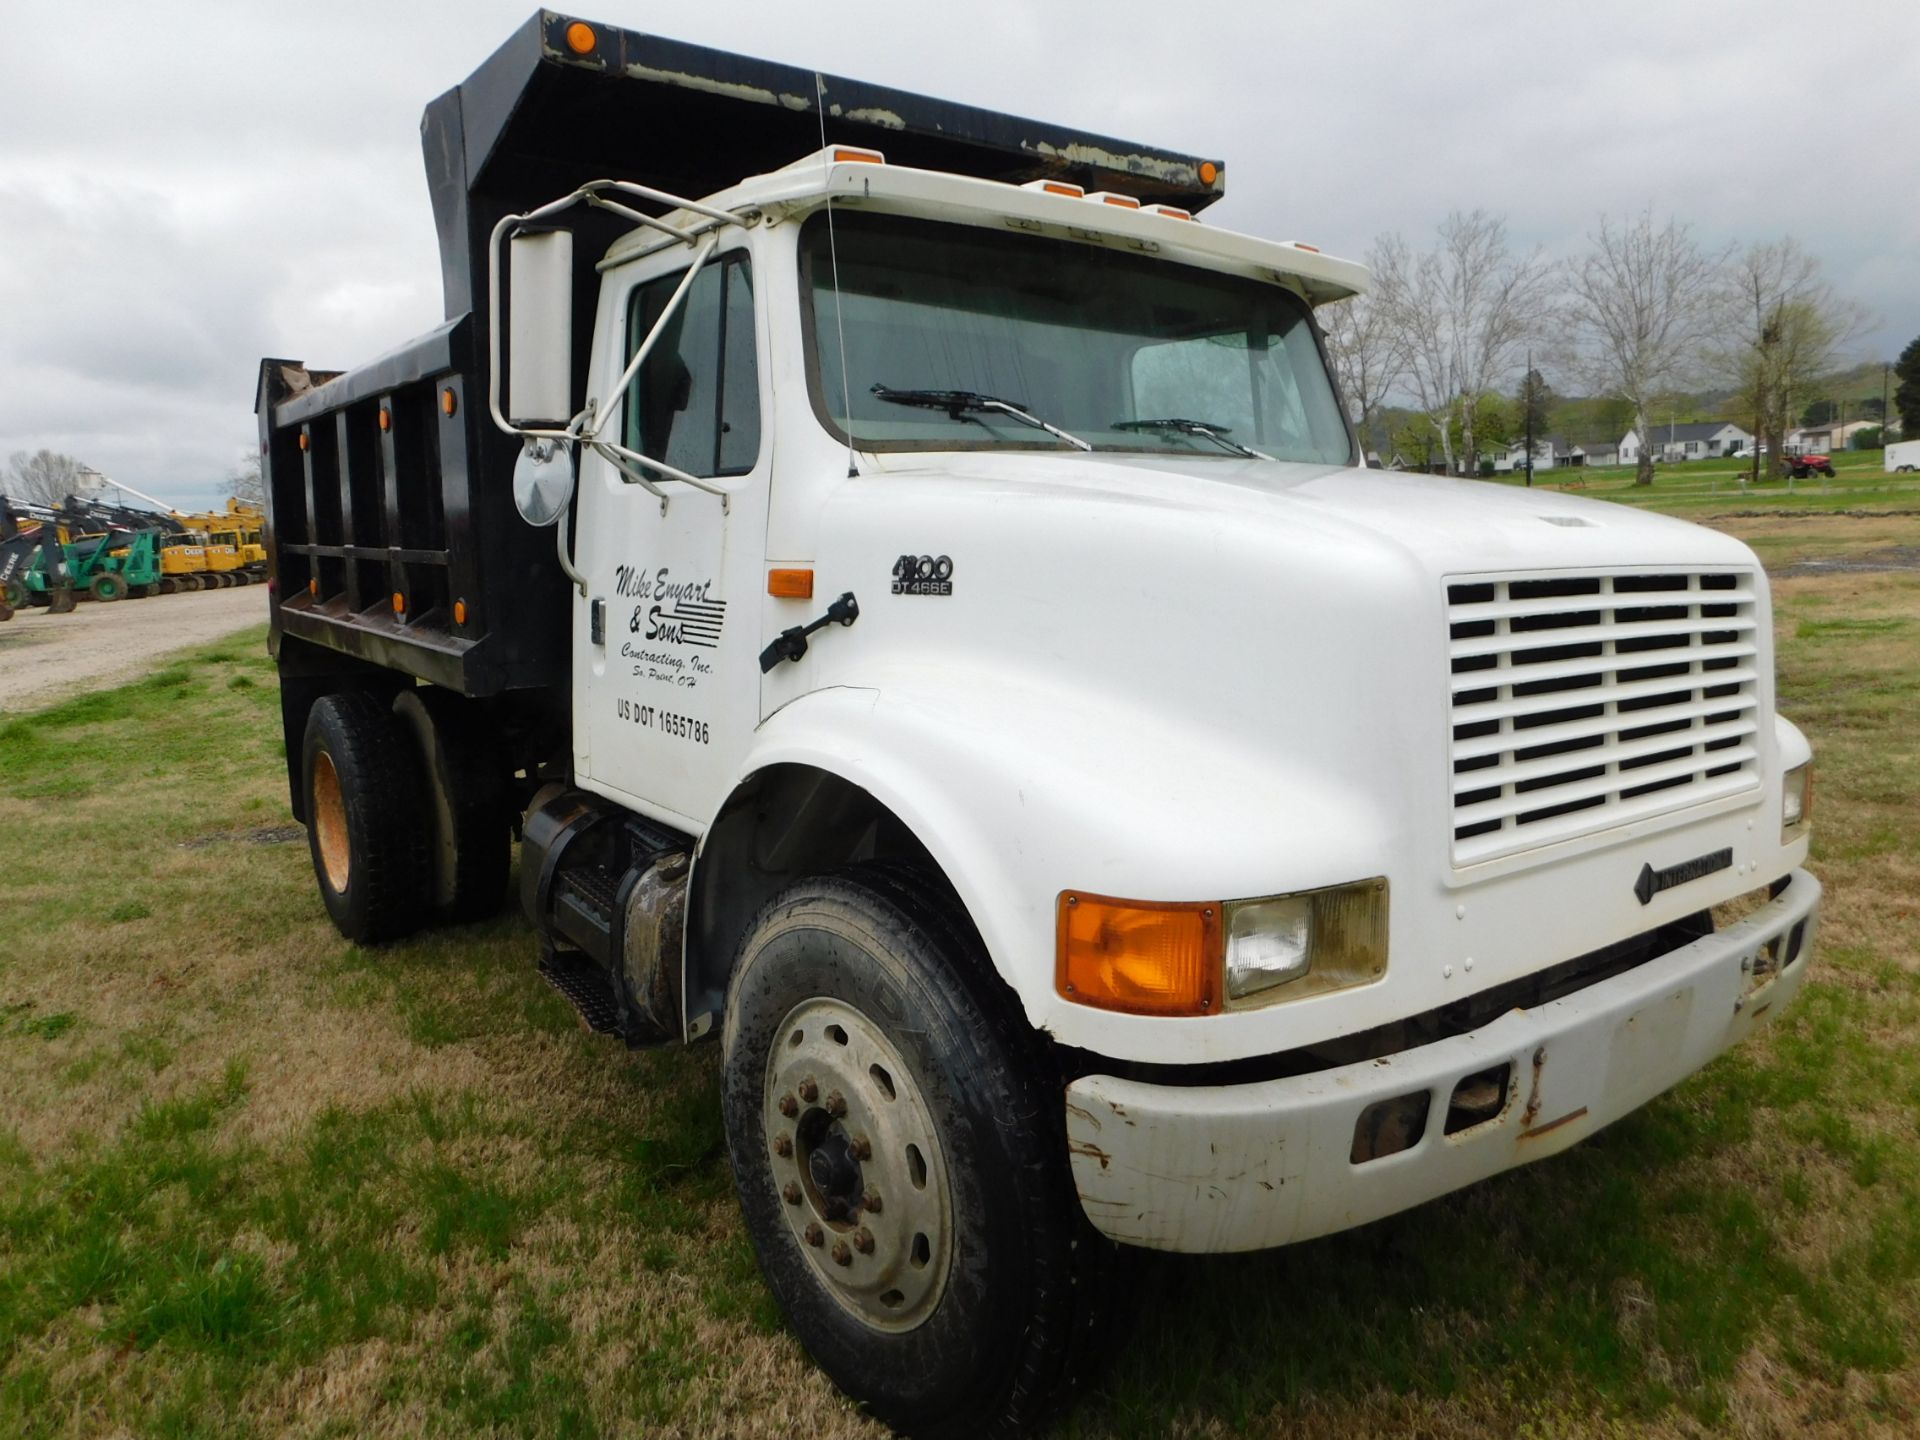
<point x="1696" y="440"/>
<point x="1602" y="452"/>
<point x="1549" y="452"/>
<point x="1825" y="439"/>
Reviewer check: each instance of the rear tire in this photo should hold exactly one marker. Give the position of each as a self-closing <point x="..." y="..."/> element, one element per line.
<point x="471" y="843"/>
<point x="13" y="595"/>
<point x="107" y="586"/>
<point x="366" y="817"/>
<point x="870" y="1048"/>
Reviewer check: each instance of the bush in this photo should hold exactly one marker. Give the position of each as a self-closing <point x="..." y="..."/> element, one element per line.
<point x="1873" y="438"/>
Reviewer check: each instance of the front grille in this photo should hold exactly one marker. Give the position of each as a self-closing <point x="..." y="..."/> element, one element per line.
<point x="1585" y="701"/>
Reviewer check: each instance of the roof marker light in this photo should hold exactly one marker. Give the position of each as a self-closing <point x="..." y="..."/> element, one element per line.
<point x="853" y="155"/>
<point x="1209" y="172"/>
<point x="1109" y="197"/>
<point x="1173" y="212"/>
<point x="1302" y="245"/>
<point x="580" y="38"/>
<point x="1057" y="187"/>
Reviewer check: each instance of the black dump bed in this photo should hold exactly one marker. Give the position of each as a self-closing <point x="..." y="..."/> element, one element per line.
<point x="391" y="532"/>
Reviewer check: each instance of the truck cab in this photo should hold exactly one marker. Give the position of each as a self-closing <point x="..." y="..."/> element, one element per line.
<point x="949" y="648"/>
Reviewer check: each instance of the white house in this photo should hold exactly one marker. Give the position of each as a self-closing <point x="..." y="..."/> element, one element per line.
<point x="1825" y="439"/>
<point x="1696" y="440"/>
<point x="1549" y="452"/>
<point x="1602" y="452"/>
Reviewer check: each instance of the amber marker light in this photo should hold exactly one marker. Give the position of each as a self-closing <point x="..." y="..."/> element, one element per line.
<point x="1061" y="187"/>
<point x="849" y="155"/>
<point x="448" y="402"/>
<point x="1125" y="202"/>
<point x="1209" y="172"/>
<point x="790" y="584"/>
<point x="386" y="418"/>
<point x="459" y="612"/>
<point x="1140" y="956"/>
<point x="313" y="587"/>
<point x="303" y="439"/>
<point x="399" y="603"/>
<point x="580" y="38"/>
<point x="1173" y="212"/>
<point x="1310" y="249"/>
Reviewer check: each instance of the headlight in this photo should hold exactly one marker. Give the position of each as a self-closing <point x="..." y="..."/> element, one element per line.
<point x="1796" y="801"/>
<point x="1156" y="957"/>
<point x="1292" y="946"/>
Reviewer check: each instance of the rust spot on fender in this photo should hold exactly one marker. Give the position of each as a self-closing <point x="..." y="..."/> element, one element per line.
<point x="1552" y="1125"/>
<point x="1091" y="1150"/>
<point x="1084" y="1113"/>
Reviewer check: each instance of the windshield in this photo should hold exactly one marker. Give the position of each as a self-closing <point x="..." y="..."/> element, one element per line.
<point x="1105" y="345"/>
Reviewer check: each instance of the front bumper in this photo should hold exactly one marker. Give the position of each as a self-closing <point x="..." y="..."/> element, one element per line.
<point x="1247" y="1167"/>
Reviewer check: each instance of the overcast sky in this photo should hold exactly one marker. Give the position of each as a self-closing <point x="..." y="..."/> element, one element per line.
<point x="184" y="188"/>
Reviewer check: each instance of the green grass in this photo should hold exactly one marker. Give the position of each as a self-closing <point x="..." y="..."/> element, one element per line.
<point x="257" y="1181"/>
<point x="1697" y="489"/>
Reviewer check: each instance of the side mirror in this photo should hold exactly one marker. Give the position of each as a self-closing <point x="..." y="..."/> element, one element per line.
<point x="540" y="328"/>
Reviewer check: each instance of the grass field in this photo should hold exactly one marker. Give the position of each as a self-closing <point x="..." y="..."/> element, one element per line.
<point x="255" y="1181"/>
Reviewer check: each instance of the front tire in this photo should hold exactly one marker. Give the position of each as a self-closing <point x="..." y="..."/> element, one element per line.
<point x="898" y="1145"/>
<point x="366" y="817"/>
<point x="107" y="585"/>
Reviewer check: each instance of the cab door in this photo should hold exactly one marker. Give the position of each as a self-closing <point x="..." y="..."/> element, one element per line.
<point x="669" y="645"/>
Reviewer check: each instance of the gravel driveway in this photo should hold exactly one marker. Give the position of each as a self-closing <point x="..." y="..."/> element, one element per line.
<point x="46" y="657"/>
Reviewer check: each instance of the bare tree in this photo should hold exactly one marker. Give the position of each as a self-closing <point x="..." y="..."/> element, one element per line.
<point x="1646" y="302"/>
<point x="1464" y="311"/>
<point x="1790" y="330"/>
<point x="46" y="477"/>
<point x="248" y="487"/>
<point x="1366" y="353"/>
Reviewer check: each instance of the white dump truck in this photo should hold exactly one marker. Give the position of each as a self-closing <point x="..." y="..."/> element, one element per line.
<point x="910" y="588"/>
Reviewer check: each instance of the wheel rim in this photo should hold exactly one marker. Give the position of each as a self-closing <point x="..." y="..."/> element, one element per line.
<point x="330" y="823"/>
<point x="857" y="1162"/>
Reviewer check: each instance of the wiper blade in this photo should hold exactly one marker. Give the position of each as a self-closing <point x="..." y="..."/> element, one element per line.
<point x="966" y="405"/>
<point x="1216" y="433"/>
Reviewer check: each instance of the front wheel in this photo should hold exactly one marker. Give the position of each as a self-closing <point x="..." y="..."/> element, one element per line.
<point x="107" y="585"/>
<point x="897" y="1140"/>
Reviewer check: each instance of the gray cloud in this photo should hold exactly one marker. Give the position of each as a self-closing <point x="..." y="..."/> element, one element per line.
<point x="186" y="188"/>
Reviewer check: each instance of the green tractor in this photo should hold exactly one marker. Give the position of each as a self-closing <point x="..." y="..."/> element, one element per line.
<point x="54" y="563"/>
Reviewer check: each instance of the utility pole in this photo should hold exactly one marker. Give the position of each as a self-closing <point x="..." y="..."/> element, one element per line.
<point x="1527" y="390"/>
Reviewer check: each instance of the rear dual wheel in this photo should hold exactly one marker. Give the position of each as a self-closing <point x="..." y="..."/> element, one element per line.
<point x="898" y="1144"/>
<point x="407" y="811"/>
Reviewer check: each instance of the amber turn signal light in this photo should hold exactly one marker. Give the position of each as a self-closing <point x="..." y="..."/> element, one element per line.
<point x="790" y="584"/>
<point x="1144" y="957"/>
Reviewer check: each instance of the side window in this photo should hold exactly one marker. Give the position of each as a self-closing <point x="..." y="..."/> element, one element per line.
<point x="695" y="403"/>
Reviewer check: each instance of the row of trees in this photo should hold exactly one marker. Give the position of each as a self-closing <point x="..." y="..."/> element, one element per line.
<point x="47" y="477"/>
<point x="1646" y="312"/>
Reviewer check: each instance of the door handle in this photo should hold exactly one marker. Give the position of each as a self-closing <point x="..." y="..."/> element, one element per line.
<point x="792" y="644"/>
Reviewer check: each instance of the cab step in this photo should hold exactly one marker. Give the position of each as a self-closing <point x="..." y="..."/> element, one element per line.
<point x="586" y="985"/>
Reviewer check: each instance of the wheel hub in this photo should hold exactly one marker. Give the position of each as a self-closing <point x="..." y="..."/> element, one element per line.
<point x="856" y="1160"/>
<point x="329" y="821"/>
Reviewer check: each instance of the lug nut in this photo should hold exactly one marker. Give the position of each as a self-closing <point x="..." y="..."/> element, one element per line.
<point x="814" y="1233"/>
<point x="860" y="1149"/>
<point x="872" y="1202"/>
<point x="789" y="1106"/>
<point x="782" y="1146"/>
<point x="809" y="1091"/>
<point x="841" y="1254"/>
<point x="863" y="1240"/>
<point x="836" y="1104"/>
<point x="790" y="1192"/>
